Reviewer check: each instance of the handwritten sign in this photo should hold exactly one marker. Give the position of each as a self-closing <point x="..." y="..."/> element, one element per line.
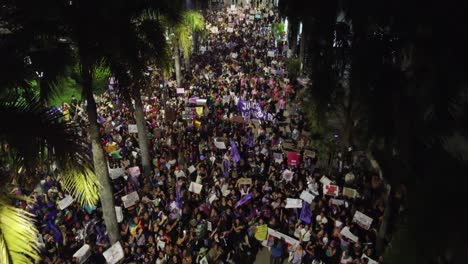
<point x="195" y="187"/>
<point x="306" y="196"/>
<point x="130" y="199"/>
<point x="291" y="242"/>
<point x="332" y="190"/>
<point x="191" y="169"/>
<point x="261" y="232"/>
<point x="132" y="128"/>
<point x="180" y="90"/>
<point x="65" y="202"/>
<point x="293" y="203"/>
<point x="114" y="254"/>
<point x="362" y="220"/>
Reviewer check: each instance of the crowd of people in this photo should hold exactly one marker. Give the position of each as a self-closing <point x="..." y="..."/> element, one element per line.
<point x="229" y="154"/>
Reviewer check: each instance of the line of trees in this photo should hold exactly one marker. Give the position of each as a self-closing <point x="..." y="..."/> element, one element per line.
<point x="391" y="76"/>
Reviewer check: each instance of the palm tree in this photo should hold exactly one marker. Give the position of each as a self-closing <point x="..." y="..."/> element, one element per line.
<point x="181" y="38"/>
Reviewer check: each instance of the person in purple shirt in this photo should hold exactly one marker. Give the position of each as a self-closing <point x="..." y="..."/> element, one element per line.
<point x="277" y="250"/>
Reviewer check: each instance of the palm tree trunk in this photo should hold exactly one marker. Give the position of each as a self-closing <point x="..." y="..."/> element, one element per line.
<point x="187" y="63"/>
<point x="142" y="134"/>
<point x="100" y="164"/>
<point x="294" y="31"/>
<point x="303" y="44"/>
<point x="177" y="66"/>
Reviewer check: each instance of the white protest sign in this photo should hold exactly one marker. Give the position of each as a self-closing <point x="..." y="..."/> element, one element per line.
<point x="325" y="180"/>
<point x="119" y="214"/>
<point x="271" y="53"/>
<point x="209" y="226"/>
<point x="201" y="101"/>
<point x="130" y="199"/>
<point x="214" y="30"/>
<point x="191" y="169"/>
<point x="347" y="233"/>
<point x="278" y="157"/>
<point x="195" y="187"/>
<point x="234" y="55"/>
<point x="65" y="202"/>
<point x="293" y="203"/>
<point x="132" y="128"/>
<point x="362" y="220"/>
<point x="212" y="198"/>
<point x="230" y="30"/>
<point x="180" y="90"/>
<point x="369" y="260"/>
<point x="179" y="173"/>
<point x="332" y="190"/>
<point x="116" y="173"/>
<point x="82" y="254"/>
<point x="287" y="175"/>
<point x="114" y="254"/>
<point x="220" y="144"/>
<point x="233" y="7"/>
<point x="161" y="245"/>
<point x="349" y="192"/>
<point x="337" y="202"/>
<point x="306" y="196"/>
<point x="291" y="241"/>
<point x="338" y="223"/>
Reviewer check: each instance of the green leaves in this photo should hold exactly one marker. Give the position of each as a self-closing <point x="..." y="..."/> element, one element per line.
<point x="18" y="235"/>
<point x="83" y="185"/>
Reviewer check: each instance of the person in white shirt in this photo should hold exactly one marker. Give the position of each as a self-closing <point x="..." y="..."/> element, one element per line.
<point x="305" y="234"/>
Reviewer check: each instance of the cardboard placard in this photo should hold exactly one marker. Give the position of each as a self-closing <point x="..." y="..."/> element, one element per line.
<point x="132" y="128"/>
<point x="65" y="202"/>
<point x="338" y="202"/>
<point x="293" y="203"/>
<point x="306" y="196"/>
<point x="325" y="180"/>
<point x="349" y="192"/>
<point x="362" y="220"/>
<point x="242" y="181"/>
<point x="130" y="199"/>
<point x="332" y="190"/>
<point x="114" y="254"/>
<point x="195" y="187"/>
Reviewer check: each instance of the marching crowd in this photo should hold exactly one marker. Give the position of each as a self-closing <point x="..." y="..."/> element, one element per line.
<point x="229" y="155"/>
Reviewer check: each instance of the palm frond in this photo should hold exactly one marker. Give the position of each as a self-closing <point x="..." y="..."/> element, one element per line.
<point x="35" y="134"/>
<point x="193" y="20"/>
<point x="183" y="36"/>
<point x="18" y="235"/>
<point x="82" y="185"/>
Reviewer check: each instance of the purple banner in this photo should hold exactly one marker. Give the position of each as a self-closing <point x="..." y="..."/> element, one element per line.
<point x="253" y="110"/>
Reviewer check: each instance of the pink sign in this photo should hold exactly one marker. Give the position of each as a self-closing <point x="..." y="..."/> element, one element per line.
<point x="180" y="90"/>
<point x="134" y="171"/>
<point x="293" y="158"/>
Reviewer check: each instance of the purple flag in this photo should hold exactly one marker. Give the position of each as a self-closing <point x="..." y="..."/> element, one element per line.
<point x="250" y="143"/>
<point x="226" y="165"/>
<point x="244" y="200"/>
<point x="234" y="152"/>
<point x="178" y="199"/>
<point x="306" y="214"/>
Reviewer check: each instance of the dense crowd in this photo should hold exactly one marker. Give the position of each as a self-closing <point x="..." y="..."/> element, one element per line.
<point x="236" y="119"/>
